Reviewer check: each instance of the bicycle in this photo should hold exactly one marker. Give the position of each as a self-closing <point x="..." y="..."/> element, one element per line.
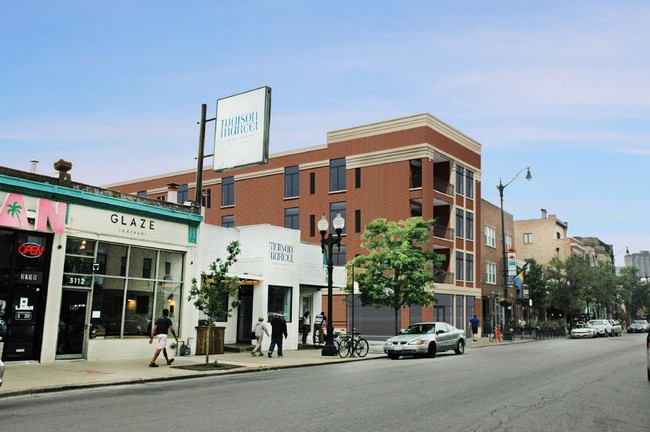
<point x="349" y="346"/>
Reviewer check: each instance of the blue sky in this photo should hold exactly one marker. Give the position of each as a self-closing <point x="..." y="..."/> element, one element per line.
<point x="563" y="87"/>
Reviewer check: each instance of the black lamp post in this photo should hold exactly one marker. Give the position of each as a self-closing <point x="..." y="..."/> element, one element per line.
<point x="329" y="242"/>
<point x="506" y="327"/>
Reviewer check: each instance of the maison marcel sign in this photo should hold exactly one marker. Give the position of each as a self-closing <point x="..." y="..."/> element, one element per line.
<point x="281" y="252"/>
<point x="29" y="213"/>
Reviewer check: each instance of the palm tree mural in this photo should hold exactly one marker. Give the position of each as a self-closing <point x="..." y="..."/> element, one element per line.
<point x="14" y="210"/>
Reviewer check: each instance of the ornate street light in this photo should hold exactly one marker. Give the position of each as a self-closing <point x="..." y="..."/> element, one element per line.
<point x="506" y="327"/>
<point x="327" y="245"/>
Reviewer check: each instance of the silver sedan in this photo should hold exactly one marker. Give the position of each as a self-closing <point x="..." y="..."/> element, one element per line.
<point x="426" y="338"/>
<point x="583" y="331"/>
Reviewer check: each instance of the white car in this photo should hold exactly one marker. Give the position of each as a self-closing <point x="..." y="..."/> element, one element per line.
<point x="426" y="338"/>
<point x="583" y="331"/>
<point x="603" y="327"/>
<point x="2" y="372"/>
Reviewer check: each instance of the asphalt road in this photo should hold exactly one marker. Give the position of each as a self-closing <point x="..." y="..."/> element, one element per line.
<point x="554" y="385"/>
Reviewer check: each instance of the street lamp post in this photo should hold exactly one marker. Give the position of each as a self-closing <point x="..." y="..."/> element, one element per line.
<point x="506" y="324"/>
<point x="327" y="245"/>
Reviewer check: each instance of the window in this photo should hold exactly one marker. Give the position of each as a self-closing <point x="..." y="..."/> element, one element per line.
<point x="416" y="173"/>
<point x="491" y="273"/>
<point x="508" y="241"/>
<point x="528" y="238"/>
<point x="469" y="267"/>
<point x="357" y="177"/>
<point x="460" y="223"/>
<point x="357" y="221"/>
<point x="131" y="287"/>
<point x="460" y="179"/>
<point x="469" y="226"/>
<point x="228" y="221"/>
<point x="338" y="256"/>
<point x="338" y="207"/>
<point x="416" y="208"/>
<point x="312" y="225"/>
<point x="337" y="175"/>
<point x="460" y="265"/>
<point x="280" y="300"/>
<point x="183" y="194"/>
<point x="469" y="185"/>
<point x="312" y="183"/>
<point x="292" y="218"/>
<point x="291" y="182"/>
<point x="142" y="194"/>
<point x="490" y="236"/>
<point x="227" y="191"/>
<point x="206" y="198"/>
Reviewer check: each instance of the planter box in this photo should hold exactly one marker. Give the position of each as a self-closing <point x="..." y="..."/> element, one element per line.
<point x="216" y="339"/>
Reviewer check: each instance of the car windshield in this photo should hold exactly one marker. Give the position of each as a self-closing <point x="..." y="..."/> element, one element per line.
<point x="596" y="322"/>
<point x="419" y="329"/>
<point x="640" y="321"/>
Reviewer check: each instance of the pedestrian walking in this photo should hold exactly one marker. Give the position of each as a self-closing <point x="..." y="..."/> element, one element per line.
<point x="474" y="323"/>
<point x="259" y="329"/>
<point x="319" y="322"/>
<point x="306" y="327"/>
<point x="278" y="329"/>
<point x="160" y="330"/>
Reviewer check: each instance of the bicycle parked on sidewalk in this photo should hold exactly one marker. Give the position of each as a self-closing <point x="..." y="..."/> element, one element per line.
<point x="353" y="346"/>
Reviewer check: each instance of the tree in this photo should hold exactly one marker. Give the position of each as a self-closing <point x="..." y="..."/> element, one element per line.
<point x="535" y="282"/>
<point x="603" y="292"/>
<point x="211" y="295"/>
<point x="635" y="293"/>
<point x="397" y="271"/>
<point x="568" y="281"/>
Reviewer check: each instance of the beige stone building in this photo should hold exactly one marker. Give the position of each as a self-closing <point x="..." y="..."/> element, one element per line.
<point x="543" y="239"/>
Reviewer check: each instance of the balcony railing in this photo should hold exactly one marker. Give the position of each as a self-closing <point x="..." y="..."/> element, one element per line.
<point x="447" y="278"/>
<point x="443" y="232"/>
<point x="443" y="186"/>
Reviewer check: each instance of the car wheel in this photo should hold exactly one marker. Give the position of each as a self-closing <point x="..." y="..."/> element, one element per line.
<point x="460" y="348"/>
<point x="431" y="352"/>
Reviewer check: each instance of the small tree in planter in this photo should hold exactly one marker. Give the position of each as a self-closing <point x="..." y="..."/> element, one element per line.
<point x="215" y="286"/>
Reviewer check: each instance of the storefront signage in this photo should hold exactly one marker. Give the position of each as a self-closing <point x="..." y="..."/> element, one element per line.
<point x="31" y="250"/>
<point x="25" y="212"/>
<point x="281" y="252"/>
<point x="133" y="222"/>
<point x="30" y="277"/>
<point x="76" y="280"/>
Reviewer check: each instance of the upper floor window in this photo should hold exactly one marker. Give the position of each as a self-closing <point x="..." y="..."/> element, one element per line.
<point x="416" y="173"/>
<point x="528" y="238"/>
<point x="292" y="218"/>
<point x="142" y="193"/>
<point x="338" y="256"/>
<point x="460" y="266"/>
<point x="469" y="226"/>
<point x="227" y="191"/>
<point x="183" y="194"/>
<point x="312" y="183"/>
<point x="508" y="241"/>
<point x="490" y="236"/>
<point x="460" y="223"/>
<point x="357" y="177"/>
<point x="491" y="273"/>
<point x="291" y="183"/>
<point x="469" y="184"/>
<point x="206" y="198"/>
<point x="337" y="175"/>
<point x="338" y="207"/>
<point x="460" y="179"/>
<point x="228" y="221"/>
<point x="469" y="267"/>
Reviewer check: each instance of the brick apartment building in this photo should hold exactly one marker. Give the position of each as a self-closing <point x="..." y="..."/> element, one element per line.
<point x="395" y="169"/>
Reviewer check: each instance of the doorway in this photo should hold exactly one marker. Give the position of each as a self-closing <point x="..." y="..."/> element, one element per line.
<point x="245" y="313"/>
<point x="73" y="325"/>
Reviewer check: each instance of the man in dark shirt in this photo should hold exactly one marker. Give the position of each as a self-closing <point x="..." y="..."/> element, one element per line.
<point x="278" y="329"/>
<point x="162" y="327"/>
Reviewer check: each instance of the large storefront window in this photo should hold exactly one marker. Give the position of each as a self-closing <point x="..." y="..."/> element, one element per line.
<point x="280" y="300"/>
<point x="130" y="285"/>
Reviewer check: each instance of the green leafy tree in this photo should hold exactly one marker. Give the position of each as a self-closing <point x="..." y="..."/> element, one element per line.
<point x="635" y="293"/>
<point x="603" y="290"/>
<point x="567" y="282"/>
<point x="535" y="282"/>
<point x="397" y="271"/>
<point x="211" y="295"/>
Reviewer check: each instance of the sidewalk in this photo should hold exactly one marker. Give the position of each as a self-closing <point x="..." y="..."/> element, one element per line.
<point x="23" y="378"/>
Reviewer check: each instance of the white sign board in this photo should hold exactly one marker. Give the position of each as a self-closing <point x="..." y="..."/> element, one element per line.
<point x="241" y="134"/>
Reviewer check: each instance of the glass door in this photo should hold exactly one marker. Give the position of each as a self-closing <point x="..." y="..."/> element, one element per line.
<point x="73" y="325"/>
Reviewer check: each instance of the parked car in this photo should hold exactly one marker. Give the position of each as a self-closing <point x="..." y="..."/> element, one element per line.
<point x="583" y="331"/>
<point x="638" y="326"/>
<point x="426" y="338"/>
<point x="617" y="328"/>
<point x="2" y="372"/>
<point x="603" y="327"/>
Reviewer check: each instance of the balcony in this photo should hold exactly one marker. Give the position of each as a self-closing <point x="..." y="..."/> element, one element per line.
<point x="446" y="278"/>
<point x="443" y="232"/>
<point x="443" y="186"/>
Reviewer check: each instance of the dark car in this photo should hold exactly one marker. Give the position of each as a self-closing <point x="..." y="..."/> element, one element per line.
<point x="638" y="326"/>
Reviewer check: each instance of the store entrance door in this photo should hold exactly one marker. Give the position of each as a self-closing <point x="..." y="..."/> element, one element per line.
<point x="245" y="313"/>
<point x="73" y="325"/>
